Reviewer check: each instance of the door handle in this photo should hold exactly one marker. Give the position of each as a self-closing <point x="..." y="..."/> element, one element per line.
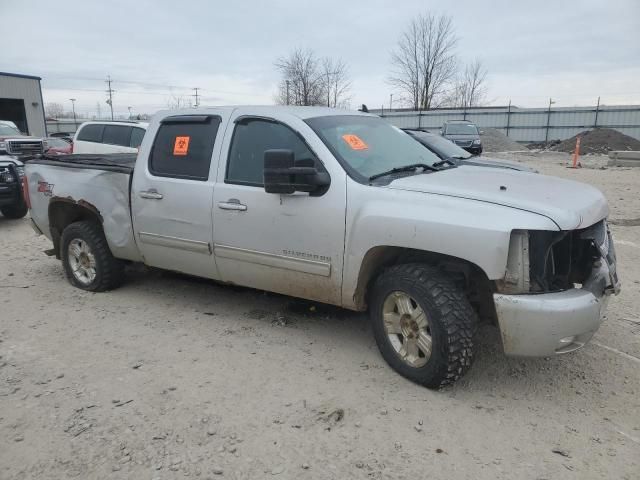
<point x="232" y="204"/>
<point x="151" y="194"/>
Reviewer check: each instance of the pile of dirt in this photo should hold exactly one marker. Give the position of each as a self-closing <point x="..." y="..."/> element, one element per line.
<point x="599" y="141"/>
<point x="493" y="140"/>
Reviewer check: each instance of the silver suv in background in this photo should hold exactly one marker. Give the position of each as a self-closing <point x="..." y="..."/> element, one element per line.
<point x="464" y="134"/>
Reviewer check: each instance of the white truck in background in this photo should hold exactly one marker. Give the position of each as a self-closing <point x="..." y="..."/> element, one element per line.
<point x="342" y="208"/>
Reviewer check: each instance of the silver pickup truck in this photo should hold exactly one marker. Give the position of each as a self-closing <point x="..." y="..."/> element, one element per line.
<point x="342" y="208"/>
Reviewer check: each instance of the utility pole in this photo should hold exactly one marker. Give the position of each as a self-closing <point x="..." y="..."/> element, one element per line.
<point x="197" y="104"/>
<point x="73" y="107"/>
<point x="546" y="135"/>
<point x="508" y="117"/>
<point x="110" y="91"/>
<point x="287" y="82"/>
<point x="390" y="101"/>
<point x="595" y="122"/>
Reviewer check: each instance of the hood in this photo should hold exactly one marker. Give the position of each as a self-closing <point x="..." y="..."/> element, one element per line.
<point x="466" y="136"/>
<point x="8" y="159"/>
<point x="494" y="163"/>
<point x="569" y="204"/>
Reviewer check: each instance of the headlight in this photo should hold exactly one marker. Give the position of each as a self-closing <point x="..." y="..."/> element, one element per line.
<point x="476" y="142"/>
<point x="7" y="177"/>
<point x="20" y="171"/>
<point x="516" y="278"/>
<point x="3" y="146"/>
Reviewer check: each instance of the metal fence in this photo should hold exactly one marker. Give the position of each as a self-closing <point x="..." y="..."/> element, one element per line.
<point x="526" y="124"/>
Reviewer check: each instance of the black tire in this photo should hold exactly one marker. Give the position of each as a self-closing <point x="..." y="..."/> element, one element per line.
<point x="109" y="271"/>
<point x="18" y="210"/>
<point x="451" y="319"/>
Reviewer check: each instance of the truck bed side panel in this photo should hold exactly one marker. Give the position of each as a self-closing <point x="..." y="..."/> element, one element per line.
<point x="104" y="191"/>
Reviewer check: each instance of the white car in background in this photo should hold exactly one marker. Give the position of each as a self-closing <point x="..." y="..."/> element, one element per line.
<point x="109" y="137"/>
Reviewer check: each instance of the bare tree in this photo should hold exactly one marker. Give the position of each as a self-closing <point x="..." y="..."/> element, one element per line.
<point x="54" y="110"/>
<point x="301" y="82"/>
<point x="424" y="60"/>
<point x="175" y="102"/>
<point x="469" y="89"/>
<point x="335" y="82"/>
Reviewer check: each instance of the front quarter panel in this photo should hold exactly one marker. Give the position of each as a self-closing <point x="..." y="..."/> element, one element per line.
<point x="478" y="232"/>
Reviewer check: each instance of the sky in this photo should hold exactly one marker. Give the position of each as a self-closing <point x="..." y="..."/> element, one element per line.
<point x="156" y="51"/>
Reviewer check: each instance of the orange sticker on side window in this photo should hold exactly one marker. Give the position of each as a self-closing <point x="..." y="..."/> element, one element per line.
<point x="181" y="146"/>
<point x="355" y="142"/>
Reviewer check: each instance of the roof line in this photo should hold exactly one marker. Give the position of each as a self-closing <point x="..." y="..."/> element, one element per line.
<point x="19" y="75"/>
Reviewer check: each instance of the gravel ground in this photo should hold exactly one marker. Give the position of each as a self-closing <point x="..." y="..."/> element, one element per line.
<point x="493" y="140"/>
<point x="170" y="377"/>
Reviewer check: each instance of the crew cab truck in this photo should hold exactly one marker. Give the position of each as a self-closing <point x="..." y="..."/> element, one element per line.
<point x="340" y="207"/>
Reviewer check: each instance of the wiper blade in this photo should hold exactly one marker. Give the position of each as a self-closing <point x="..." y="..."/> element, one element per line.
<point x="450" y="160"/>
<point x="405" y="168"/>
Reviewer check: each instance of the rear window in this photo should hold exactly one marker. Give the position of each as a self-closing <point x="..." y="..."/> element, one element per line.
<point x="137" y="135"/>
<point x="117" y="135"/>
<point x="183" y="147"/>
<point x="91" y="133"/>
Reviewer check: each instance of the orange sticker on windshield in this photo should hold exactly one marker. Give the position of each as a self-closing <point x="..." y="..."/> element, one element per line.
<point x="181" y="146"/>
<point x="355" y="142"/>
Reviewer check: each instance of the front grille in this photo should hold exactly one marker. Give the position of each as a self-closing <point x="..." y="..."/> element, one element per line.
<point x="25" y="147"/>
<point x="463" y="143"/>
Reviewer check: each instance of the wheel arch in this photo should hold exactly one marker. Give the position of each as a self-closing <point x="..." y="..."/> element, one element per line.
<point x="65" y="211"/>
<point x="469" y="276"/>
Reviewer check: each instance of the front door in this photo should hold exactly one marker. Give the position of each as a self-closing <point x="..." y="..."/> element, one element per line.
<point x="290" y="244"/>
<point x="172" y="194"/>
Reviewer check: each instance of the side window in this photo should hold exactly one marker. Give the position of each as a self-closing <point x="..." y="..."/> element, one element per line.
<point x="183" y="148"/>
<point x="251" y="138"/>
<point x="137" y="135"/>
<point x="117" y="135"/>
<point x="91" y="133"/>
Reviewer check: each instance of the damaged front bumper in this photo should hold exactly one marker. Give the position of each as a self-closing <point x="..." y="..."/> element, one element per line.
<point x="546" y="324"/>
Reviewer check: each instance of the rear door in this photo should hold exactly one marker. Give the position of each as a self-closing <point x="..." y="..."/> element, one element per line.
<point x="172" y="193"/>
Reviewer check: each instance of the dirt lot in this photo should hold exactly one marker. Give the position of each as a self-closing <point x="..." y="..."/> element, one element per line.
<point x="171" y="377"/>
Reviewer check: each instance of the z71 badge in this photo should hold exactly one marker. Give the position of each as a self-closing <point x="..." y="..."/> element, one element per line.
<point x="45" y="188"/>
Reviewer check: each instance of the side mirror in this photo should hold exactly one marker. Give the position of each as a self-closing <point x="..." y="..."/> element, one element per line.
<point x="282" y="174"/>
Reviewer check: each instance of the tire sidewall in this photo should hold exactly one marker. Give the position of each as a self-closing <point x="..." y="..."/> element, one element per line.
<point x="16" y="211"/>
<point x="436" y="367"/>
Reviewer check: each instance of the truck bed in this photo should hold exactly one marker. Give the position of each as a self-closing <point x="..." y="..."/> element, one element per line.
<point x="114" y="162"/>
<point x="99" y="183"/>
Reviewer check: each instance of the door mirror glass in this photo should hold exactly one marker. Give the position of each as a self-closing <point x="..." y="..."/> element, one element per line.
<point x="284" y="175"/>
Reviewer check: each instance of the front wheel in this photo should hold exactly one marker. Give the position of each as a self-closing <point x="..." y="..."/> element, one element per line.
<point x="423" y="324"/>
<point x="18" y="210"/>
<point x="87" y="260"/>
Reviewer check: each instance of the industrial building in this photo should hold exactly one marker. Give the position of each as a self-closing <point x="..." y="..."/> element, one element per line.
<point x="21" y="102"/>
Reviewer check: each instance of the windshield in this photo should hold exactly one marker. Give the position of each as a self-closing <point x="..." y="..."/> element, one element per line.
<point x="8" y="130"/>
<point x="367" y="146"/>
<point x="461" y="129"/>
<point x="446" y="148"/>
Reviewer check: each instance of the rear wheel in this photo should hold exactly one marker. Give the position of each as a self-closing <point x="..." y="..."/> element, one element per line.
<point x="423" y="324"/>
<point x="18" y="210"/>
<point x="87" y="260"/>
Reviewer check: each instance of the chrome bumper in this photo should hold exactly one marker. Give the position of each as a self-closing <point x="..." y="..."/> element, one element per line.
<point x="539" y="325"/>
